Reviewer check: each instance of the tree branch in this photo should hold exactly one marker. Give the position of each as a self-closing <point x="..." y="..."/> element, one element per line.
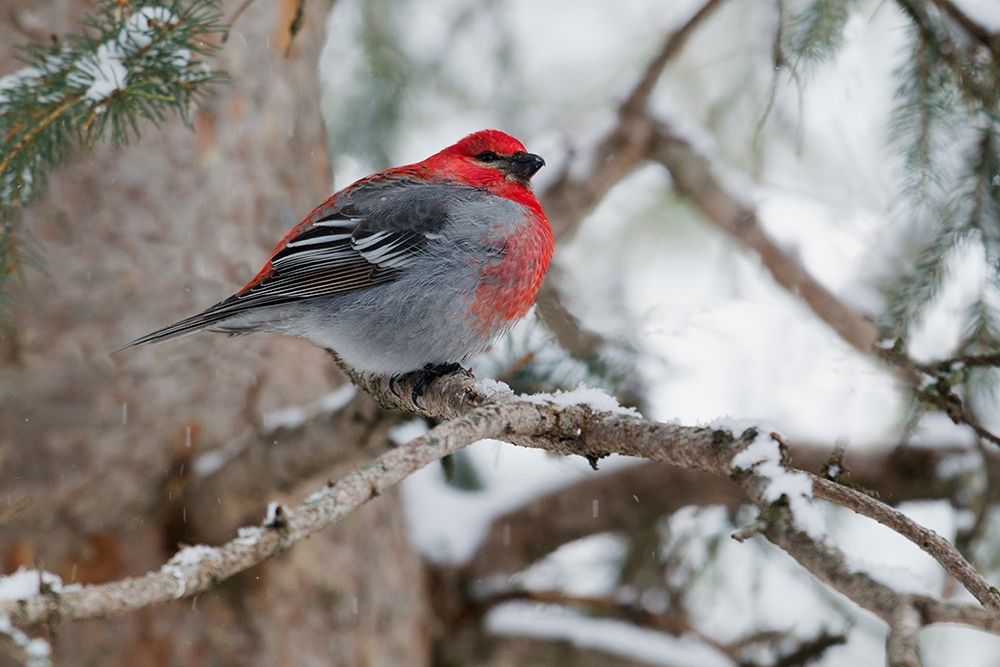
<point x="624" y="147"/>
<point x="637" y="496"/>
<point x="198" y="569"/>
<point x="939" y="548"/>
<point x="692" y="176"/>
<point x="479" y="410"/>
<point x="828" y="565"/>
<point x="904" y="629"/>
<point x="638" y="98"/>
<point x="978" y="31"/>
<point x="358" y="431"/>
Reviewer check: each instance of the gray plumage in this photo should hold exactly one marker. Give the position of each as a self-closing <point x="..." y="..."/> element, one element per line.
<point x="384" y="274"/>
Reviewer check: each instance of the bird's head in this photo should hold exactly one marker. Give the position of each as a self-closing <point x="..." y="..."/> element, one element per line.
<point x="489" y="158"/>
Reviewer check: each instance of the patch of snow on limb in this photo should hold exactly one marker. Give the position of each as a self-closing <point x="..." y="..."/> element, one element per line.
<point x="248" y="535"/>
<point x="105" y="70"/>
<point x="408" y="431"/>
<point x="763" y="458"/>
<point x="23" y="77"/>
<point x="29" y="77"/>
<point x="142" y="25"/>
<point x="188" y="556"/>
<point x="589" y="566"/>
<point x="761" y="450"/>
<point x="285" y="418"/>
<point x="319" y="495"/>
<point x="737" y="427"/>
<point x="193" y="555"/>
<point x="490" y="388"/>
<point x="37" y="651"/>
<point x="592" y="397"/>
<point x="338" y="398"/>
<point x="275" y="515"/>
<point x="25" y="584"/>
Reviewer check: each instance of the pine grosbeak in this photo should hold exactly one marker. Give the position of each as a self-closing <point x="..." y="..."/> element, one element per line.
<point x="411" y="268"/>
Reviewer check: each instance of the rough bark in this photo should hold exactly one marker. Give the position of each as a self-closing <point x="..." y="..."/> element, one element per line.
<point x="96" y="450"/>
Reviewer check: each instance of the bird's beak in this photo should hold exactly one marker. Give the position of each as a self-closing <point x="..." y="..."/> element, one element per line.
<point x="525" y="165"/>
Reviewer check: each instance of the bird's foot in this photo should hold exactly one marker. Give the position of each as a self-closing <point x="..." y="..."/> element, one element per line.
<point x="426" y="377"/>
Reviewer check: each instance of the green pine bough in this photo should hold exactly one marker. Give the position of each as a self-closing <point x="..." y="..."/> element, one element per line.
<point x="130" y="62"/>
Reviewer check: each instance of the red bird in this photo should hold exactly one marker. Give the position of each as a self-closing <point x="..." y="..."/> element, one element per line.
<point x="412" y="268"/>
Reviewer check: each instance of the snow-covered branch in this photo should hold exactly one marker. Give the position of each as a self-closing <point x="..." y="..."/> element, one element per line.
<point x="584" y="423"/>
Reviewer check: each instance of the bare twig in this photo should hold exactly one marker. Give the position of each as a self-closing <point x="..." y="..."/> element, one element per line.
<point x="904" y="629"/>
<point x="637" y="99"/>
<point x="828" y="565"/>
<point x="959" y="363"/>
<point x="808" y="651"/>
<point x="943" y="551"/>
<point x="692" y="176"/>
<point x="670" y="621"/>
<point x="936" y="389"/>
<point x="624" y="147"/>
<point x="674" y="622"/>
<point x="967" y="537"/>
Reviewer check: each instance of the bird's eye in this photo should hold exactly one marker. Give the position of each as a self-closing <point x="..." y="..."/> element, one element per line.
<point x="487" y="156"/>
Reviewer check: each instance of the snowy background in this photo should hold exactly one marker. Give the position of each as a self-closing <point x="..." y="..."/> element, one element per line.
<point x="718" y="338"/>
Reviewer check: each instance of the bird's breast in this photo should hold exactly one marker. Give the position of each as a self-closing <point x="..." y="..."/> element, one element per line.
<point x="510" y="278"/>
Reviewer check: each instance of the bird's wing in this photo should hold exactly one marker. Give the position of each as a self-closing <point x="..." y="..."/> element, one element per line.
<point x="365" y="235"/>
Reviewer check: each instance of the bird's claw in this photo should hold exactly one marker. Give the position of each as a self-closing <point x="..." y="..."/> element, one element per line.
<point x="427" y="375"/>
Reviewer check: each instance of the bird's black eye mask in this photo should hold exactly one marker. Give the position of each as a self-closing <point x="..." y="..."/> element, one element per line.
<point x="521" y="165"/>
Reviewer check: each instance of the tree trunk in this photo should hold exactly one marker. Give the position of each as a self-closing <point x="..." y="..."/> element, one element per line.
<point x="95" y="449"/>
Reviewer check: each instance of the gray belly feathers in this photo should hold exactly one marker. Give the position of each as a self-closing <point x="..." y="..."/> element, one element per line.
<point x="422" y="317"/>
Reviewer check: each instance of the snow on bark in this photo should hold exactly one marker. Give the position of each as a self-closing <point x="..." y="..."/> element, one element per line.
<point x="592" y="397"/>
<point x="763" y="457"/>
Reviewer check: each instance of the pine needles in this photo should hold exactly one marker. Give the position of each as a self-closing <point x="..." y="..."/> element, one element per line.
<point x="817" y="32"/>
<point x="945" y="127"/>
<point x="129" y="63"/>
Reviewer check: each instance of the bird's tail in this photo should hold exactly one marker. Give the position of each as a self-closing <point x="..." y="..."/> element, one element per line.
<point x="188" y="325"/>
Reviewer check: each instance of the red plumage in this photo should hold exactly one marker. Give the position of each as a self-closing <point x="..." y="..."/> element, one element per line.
<point x="420" y="264"/>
